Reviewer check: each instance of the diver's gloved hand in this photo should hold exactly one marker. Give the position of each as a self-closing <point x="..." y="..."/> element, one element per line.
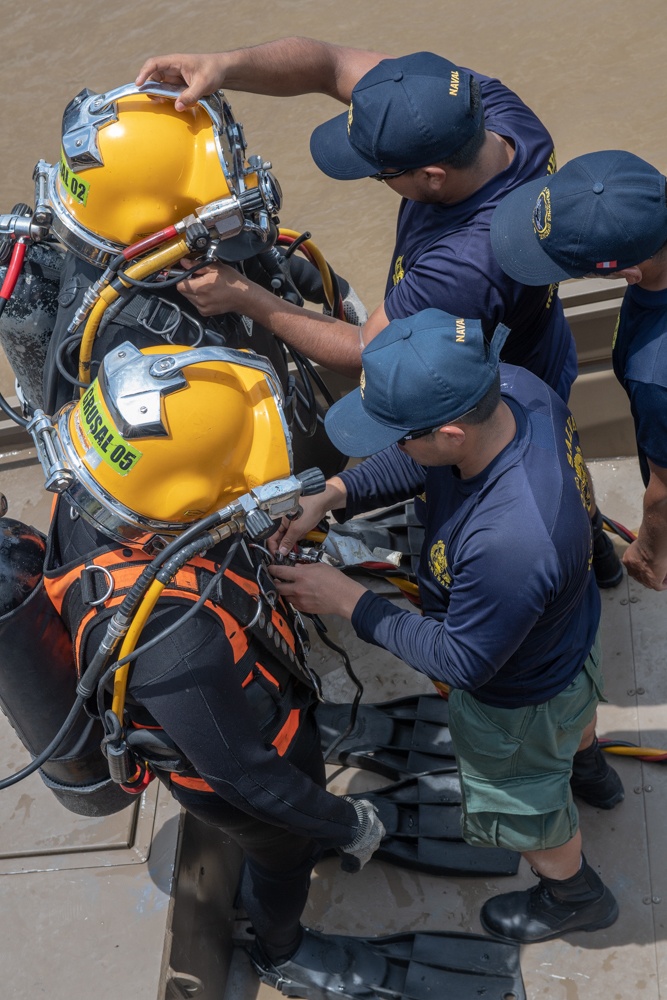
<point x="369" y="835"/>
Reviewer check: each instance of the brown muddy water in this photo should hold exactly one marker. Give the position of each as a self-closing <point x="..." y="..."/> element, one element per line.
<point x="592" y="69"/>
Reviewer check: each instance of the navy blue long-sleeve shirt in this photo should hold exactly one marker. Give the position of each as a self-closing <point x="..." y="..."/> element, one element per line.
<point x="510" y="604"/>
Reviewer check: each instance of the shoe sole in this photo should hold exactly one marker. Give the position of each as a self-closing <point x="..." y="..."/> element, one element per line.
<point x="598" y="926"/>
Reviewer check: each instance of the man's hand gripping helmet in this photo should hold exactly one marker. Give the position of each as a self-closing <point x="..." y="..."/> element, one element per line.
<point x="131" y="165"/>
<point x="161" y="439"/>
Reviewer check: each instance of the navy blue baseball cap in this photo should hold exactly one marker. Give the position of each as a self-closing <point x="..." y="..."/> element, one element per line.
<point x="423" y="371"/>
<point x="405" y="113"/>
<point x="598" y="214"/>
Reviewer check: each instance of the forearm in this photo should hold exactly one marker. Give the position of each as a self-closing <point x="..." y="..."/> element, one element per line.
<point x="291" y="66"/>
<point x="327" y="341"/>
<point x="421" y="642"/>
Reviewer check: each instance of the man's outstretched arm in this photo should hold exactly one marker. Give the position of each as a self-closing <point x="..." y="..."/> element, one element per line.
<point x="327" y="341"/>
<point x="282" y="68"/>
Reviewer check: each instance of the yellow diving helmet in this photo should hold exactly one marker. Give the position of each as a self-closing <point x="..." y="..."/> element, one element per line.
<point x="131" y="165"/>
<point x="162" y="438"/>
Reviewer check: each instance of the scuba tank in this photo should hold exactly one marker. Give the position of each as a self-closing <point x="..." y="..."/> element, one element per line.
<point x="38" y="680"/>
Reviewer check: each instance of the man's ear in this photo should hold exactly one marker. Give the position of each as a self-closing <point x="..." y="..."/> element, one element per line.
<point x="436" y="177"/>
<point x="633" y="275"/>
<point x="455" y="433"/>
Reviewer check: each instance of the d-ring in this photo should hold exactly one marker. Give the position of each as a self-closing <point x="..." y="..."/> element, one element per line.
<point x="255" y="618"/>
<point x="110" y="582"/>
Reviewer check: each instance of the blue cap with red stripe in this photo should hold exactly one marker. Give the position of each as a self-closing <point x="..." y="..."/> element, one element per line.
<point x="602" y="212"/>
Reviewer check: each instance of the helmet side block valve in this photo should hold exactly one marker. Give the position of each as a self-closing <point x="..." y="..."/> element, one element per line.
<point x="258" y="525"/>
<point x="196" y="235"/>
<point x="226" y="215"/>
<point x="22" y="226"/>
<point x="57" y="471"/>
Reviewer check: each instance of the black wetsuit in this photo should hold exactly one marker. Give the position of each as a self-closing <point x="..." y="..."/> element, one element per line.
<point x="274" y="807"/>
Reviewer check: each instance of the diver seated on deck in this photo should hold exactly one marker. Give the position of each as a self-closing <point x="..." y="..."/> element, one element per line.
<point x="511" y="609"/>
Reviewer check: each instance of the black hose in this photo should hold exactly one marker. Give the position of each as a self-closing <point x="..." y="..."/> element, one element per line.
<point x="295" y="244"/>
<point x="354" y="708"/>
<point x="306" y="397"/>
<point x="12" y="414"/>
<point x="60" y="363"/>
<point x="48" y="751"/>
<point x="152" y="285"/>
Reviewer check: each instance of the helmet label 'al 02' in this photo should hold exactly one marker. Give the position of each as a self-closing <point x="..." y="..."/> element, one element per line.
<point x="74" y="186"/>
<point x="103" y="436"/>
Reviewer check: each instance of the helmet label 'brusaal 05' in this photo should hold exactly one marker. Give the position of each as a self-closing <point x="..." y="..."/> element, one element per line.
<point x="103" y="436"/>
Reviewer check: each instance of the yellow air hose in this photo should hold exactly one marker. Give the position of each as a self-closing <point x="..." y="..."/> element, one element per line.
<point x="159" y="260"/>
<point x="144" y="610"/>
<point x="318" y="257"/>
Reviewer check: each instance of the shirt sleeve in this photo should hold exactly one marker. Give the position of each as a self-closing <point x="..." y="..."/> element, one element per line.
<point x="499" y="591"/>
<point x="384" y="479"/>
<point x="441" y="279"/>
<point x="649" y="409"/>
<point x="189" y="685"/>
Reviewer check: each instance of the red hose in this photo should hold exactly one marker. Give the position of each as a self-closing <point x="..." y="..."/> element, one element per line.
<point x="149" y="242"/>
<point x="13" y="270"/>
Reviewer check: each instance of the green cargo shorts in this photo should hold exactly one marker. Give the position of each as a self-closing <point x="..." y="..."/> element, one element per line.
<point x="515" y="763"/>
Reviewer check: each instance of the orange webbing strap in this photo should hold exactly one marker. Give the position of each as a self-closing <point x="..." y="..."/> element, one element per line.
<point x="125" y="565"/>
<point x="194" y="784"/>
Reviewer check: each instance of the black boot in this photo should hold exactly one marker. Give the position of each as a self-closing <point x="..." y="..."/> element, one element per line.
<point x="593" y="780"/>
<point x="606" y="564"/>
<point x="551" y="908"/>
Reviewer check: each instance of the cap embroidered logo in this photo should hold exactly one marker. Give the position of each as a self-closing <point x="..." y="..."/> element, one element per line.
<point x="542" y="214"/>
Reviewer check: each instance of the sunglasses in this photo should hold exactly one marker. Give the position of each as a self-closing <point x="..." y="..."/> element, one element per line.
<point x="414" y="435"/>
<point x="390" y="175"/>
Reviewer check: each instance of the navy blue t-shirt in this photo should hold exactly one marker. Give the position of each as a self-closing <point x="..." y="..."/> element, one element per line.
<point x="640" y="365"/>
<point x="511" y="608"/>
<point x="443" y="256"/>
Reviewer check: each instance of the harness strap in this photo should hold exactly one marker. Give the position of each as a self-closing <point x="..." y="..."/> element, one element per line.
<point x="77" y="592"/>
